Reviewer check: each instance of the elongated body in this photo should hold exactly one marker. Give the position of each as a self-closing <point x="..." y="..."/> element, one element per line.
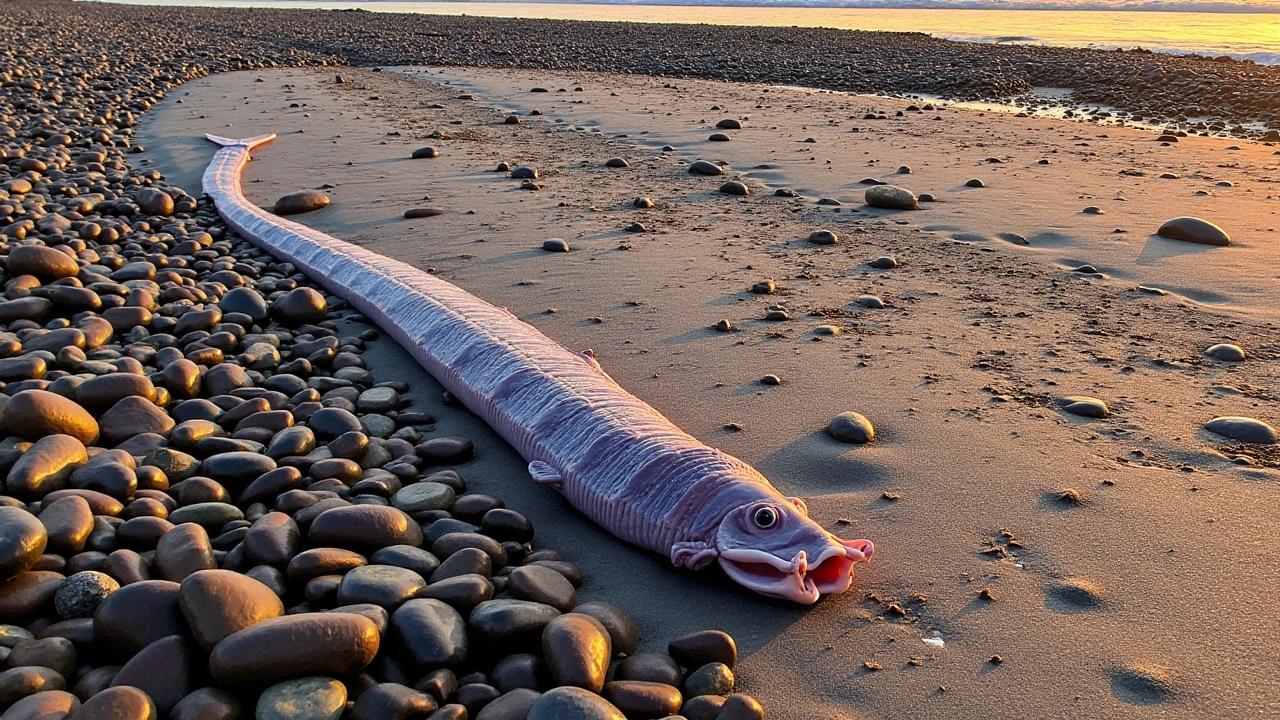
<point x="613" y="457"/>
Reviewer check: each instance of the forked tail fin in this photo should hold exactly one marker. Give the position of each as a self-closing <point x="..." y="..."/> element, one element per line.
<point x="249" y="143"/>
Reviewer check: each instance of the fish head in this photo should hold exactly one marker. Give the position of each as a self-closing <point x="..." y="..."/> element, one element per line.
<point x="772" y="547"/>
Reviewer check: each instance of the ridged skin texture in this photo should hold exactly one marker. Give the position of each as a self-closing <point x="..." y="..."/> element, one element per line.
<point x="620" y="461"/>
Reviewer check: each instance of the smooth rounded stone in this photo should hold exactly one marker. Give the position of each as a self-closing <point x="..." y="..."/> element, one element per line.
<point x="300" y="202"/>
<point x="35" y="414"/>
<point x="623" y="633"/>
<point x="430" y="632"/>
<point x="642" y="203"/>
<point x="1194" y="230"/>
<point x="616" y="162"/>
<point x="649" y="668"/>
<point x="82" y="593"/>
<point x="272" y="539"/>
<point x="118" y="703"/>
<point x="729" y="124"/>
<point x="512" y="705"/>
<point x="56" y="653"/>
<point x="764" y="287"/>
<point x="711" y="679"/>
<point x="1243" y="429"/>
<point x="702" y="167"/>
<point x="311" y="698"/>
<point x="384" y="585"/>
<point x="718" y="137"/>
<point x="103" y="391"/>
<point x="68" y="521"/>
<point x="392" y="701"/>
<point x="885" y="262"/>
<point x="11" y="635"/>
<point x="297" y="441"/>
<point x="295" y="646"/>
<point x="448" y="544"/>
<point x="577" y="650"/>
<point x="461" y="591"/>
<point x="506" y="525"/>
<point x="219" y="603"/>
<point x="1084" y="406"/>
<point x="322" y="561"/>
<point x="446" y="450"/>
<point x="851" y="427"/>
<point x="425" y="153"/>
<point x="43" y="262"/>
<point x="723" y="325"/>
<point x="206" y="514"/>
<point x="23" y="539"/>
<point x="524" y="172"/>
<point x="300" y="306"/>
<point x="543" y="585"/>
<point x="133" y="416"/>
<point x="1226" y="352"/>
<point x="891" y="197"/>
<point x="237" y="468"/>
<point x="422" y="496"/>
<point x="975" y="183"/>
<point x="519" y="670"/>
<point x="823" y="237"/>
<point x="137" y="615"/>
<point x="869" y="301"/>
<point x="364" y="527"/>
<point x="126" y="567"/>
<point x="734" y="187"/>
<point x="246" y="301"/>
<point x="741" y="707"/>
<point x="44" y="705"/>
<point x="638" y="699"/>
<point x="452" y="711"/>
<point x="184" y="550"/>
<point x="207" y="704"/>
<point x="511" y="622"/>
<point x="406" y="556"/>
<point x="422" y="212"/>
<point x="378" y="400"/>
<point x="572" y="703"/>
<point x="777" y="315"/>
<point x="117" y="481"/>
<point x="467" y="561"/>
<point x="705" y="646"/>
<point x="19" y="682"/>
<point x="556" y="245"/>
<point x="329" y="423"/>
<point x="162" y="670"/>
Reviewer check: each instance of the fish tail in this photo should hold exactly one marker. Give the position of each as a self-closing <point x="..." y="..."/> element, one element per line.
<point x="249" y="143"/>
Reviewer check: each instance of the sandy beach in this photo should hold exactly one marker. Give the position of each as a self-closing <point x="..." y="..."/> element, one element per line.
<point x="1143" y="593"/>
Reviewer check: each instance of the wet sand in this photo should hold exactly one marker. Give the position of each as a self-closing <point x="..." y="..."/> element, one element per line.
<point x="1148" y="597"/>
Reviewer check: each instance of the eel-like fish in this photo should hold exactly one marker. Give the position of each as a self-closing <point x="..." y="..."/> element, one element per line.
<point x="617" y="460"/>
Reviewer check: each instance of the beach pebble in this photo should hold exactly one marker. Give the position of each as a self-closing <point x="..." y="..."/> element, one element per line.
<point x="851" y="427"/>
<point x="718" y="137"/>
<point x="777" y="315"/>
<point x="418" y="213"/>
<point x="786" y="192"/>
<point x="828" y="330"/>
<point x="299" y="307"/>
<point x="82" y="593"/>
<point x="544" y="585"/>
<point x="393" y="701"/>
<point x="696" y="649"/>
<point x="764" y="287"/>
<point x="1194" y="230"/>
<point x="927" y="197"/>
<point x="723" y="325"/>
<point x="43" y="262"/>
<point x="771" y="380"/>
<point x="1084" y="406"/>
<point x="312" y="698"/>
<point x="642" y="202"/>
<point x="649" y="667"/>
<point x="729" y="124"/>
<point x="430" y="631"/>
<point x="975" y="183"/>
<point x="295" y="646"/>
<point x="711" y="679"/>
<point x="823" y="237"/>
<point x="555" y="245"/>
<point x="891" y="197"/>
<point x="702" y="167"/>
<point x="572" y="703"/>
<point x="511" y="119"/>
<point x="138" y="614"/>
<point x="577" y="649"/>
<point x="1227" y="352"/>
<point x="219" y="603"/>
<point x="118" y="703"/>
<point x="636" y="227"/>
<point x="425" y="152"/>
<point x="1093" y="210"/>
<point x="741" y="707"/>
<point x="643" y="699"/>
<point x="884" y="262"/>
<point x="22" y="541"/>
<point x="1243" y="429"/>
<point x="616" y="162"/>
<point x="870" y="301"/>
<point x="734" y="187"/>
<point x="702" y="707"/>
<point x="300" y="202"/>
<point x="35" y="414"/>
<point x="524" y="172"/>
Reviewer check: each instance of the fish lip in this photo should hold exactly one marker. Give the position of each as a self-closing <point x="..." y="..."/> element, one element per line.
<point x="798" y="580"/>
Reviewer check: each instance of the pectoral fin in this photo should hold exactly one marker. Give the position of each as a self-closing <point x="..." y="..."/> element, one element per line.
<point x="694" y="555"/>
<point x="544" y="474"/>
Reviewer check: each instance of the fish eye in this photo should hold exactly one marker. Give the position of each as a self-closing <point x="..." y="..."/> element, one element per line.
<point x="766" y="517"/>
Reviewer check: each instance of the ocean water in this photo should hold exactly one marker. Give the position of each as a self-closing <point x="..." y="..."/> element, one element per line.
<point x="1243" y="29"/>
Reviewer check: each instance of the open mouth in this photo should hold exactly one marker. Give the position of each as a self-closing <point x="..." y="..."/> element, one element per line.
<point x="799" y="580"/>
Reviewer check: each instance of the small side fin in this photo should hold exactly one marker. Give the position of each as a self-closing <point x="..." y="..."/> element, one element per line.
<point x="544" y="474"/>
<point x="694" y="555"/>
<point x="589" y="357"/>
<point x="249" y="143"/>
